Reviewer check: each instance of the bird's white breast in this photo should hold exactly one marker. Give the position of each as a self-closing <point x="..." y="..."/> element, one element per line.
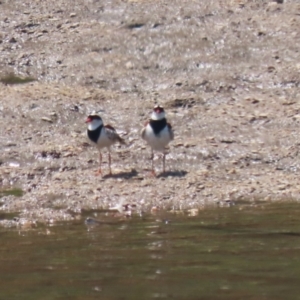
<point x="157" y="142"/>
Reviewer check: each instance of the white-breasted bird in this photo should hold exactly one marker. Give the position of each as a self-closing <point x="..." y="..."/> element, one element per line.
<point x="104" y="136"/>
<point x="158" y="133"/>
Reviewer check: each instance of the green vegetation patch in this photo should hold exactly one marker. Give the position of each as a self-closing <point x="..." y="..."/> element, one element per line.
<point x="14" y="79"/>
<point x="13" y="191"/>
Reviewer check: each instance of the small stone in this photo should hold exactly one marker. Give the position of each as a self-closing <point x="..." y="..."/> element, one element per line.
<point x="129" y="65"/>
<point x="21" y="55"/>
<point x="74" y="134"/>
<point x="154" y="209"/>
<point x="232" y="171"/>
<point x="10" y="144"/>
<point x="200" y="187"/>
<point x="203" y="172"/>
<point x="14" y="165"/>
<point x="72" y="15"/>
<point x="272" y="4"/>
<point x="271" y="69"/>
<point x="47" y="119"/>
<point x="178" y="145"/>
<point x="288" y="102"/>
<point x="227" y="141"/>
<point x="68" y="154"/>
<point x="253" y="100"/>
<point x="193" y="212"/>
<point x="263" y="115"/>
<point x="268" y="198"/>
<point x="12" y="40"/>
<point x="282" y="187"/>
<point x="57" y="176"/>
<point x="74" y="25"/>
<point x="87" y="96"/>
<point x="189" y="144"/>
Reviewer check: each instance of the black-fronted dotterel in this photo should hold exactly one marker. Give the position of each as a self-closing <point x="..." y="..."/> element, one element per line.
<point x="104" y="136"/>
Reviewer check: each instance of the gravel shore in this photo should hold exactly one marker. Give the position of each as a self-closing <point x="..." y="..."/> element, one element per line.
<point x="227" y="73"/>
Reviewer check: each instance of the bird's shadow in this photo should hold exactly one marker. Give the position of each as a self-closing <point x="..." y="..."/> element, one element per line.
<point x="176" y="173"/>
<point x="126" y="174"/>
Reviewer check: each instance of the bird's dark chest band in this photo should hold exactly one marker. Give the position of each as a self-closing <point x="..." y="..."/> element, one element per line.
<point x="94" y="134"/>
<point x="158" y="125"/>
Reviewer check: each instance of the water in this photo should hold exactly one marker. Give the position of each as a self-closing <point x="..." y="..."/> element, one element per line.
<point x="241" y="252"/>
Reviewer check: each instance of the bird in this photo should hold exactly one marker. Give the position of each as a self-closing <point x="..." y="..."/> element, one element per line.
<point x="104" y="136"/>
<point x="158" y="133"/>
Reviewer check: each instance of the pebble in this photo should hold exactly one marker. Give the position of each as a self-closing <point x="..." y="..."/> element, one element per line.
<point x="10" y="144"/>
<point x="14" y="165"/>
<point x="12" y="40"/>
<point x="228" y="141"/>
<point x="178" y="145"/>
<point x="193" y="212"/>
<point x="129" y="65"/>
<point x="232" y="171"/>
<point x="190" y="144"/>
<point x="74" y="25"/>
<point x="46" y="119"/>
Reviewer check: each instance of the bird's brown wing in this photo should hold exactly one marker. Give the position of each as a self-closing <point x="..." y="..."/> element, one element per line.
<point x="112" y="134"/>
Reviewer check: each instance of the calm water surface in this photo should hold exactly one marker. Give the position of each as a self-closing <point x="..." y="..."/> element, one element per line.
<point x="241" y="252"/>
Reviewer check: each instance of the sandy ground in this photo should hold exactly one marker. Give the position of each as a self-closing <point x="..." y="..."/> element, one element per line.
<point x="227" y="73"/>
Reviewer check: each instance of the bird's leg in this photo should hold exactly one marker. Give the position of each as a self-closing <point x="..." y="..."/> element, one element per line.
<point x="109" y="162"/>
<point x="99" y="172"/>
<point x="152" y="163"/>
<point x="164" y="162"/>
